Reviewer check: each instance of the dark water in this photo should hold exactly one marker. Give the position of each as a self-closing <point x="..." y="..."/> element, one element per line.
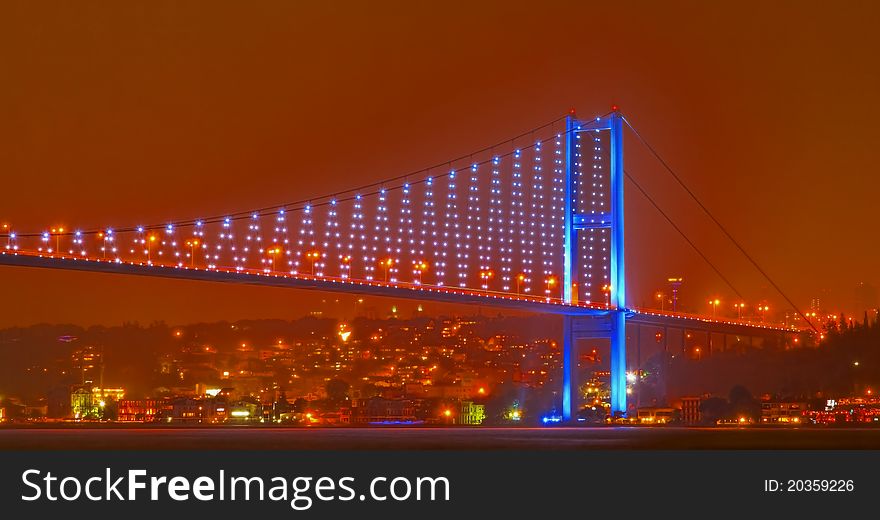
<point x="245" y="438"/>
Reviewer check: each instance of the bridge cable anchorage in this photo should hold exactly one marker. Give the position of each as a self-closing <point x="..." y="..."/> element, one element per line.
<point x="718" y="223"/>
<point x="683" y="235"/>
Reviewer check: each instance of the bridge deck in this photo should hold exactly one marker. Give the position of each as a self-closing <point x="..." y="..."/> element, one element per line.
<point x="352" y="286"/>
<point x="527" y="303"/>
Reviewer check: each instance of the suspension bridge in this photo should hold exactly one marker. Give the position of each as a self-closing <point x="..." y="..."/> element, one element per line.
<point x="535" y="223"/>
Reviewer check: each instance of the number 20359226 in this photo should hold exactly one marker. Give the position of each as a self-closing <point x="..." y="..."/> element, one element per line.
<point x="809" y="486"/>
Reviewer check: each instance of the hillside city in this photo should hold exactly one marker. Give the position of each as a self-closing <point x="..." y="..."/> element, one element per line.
<point x="421" y="370"/>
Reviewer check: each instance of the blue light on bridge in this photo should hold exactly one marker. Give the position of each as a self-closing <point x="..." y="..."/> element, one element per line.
<point x="551" y="419"/>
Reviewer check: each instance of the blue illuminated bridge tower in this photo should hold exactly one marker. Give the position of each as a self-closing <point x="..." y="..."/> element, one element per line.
<point x="610" y="323"/>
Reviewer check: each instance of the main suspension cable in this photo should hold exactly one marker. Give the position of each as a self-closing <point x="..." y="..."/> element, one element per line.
<point x="719" y="225"/>
<point x="682" y="233"/>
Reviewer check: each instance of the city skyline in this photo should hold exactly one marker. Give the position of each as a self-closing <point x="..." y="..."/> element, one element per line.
<point x="424" y="367"/>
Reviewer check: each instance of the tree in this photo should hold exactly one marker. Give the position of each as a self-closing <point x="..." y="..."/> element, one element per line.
<point x="831" y="328"/>
<point x="337" y="390"/>
<point x="742" y="404"/>
<point x="110" y="409"/>
<point x="282" y="406"/>
<point x="714" y="409"/>
<point x="501" y="401"/>
<point x="369" y="390"/>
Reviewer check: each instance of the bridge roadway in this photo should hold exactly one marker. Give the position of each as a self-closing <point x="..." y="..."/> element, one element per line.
<point x="521" y="302"/>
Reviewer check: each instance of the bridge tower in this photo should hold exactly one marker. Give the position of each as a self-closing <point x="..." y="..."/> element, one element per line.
<point x="609" y="324"/>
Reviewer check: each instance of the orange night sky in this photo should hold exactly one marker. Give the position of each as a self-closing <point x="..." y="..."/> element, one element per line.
<point x="119" y="114"/>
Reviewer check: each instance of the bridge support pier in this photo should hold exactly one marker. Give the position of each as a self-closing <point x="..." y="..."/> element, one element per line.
<point x="569" y="369"/>
<point x="618" y="362"/>
<point x="608" y="326"/>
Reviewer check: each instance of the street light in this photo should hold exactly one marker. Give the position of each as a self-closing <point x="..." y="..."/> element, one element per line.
<point x="272" y="254"/>
<point x="714" y="303"/>
<point x="10" y="235"/>
<point x="486" y="276"/>
<point x="739" y="309"/>
<point x="192" y="251"/>
<point x="57" y="232"/>
<point x="387" y="263"/>
<point x="606" y="289"/>
<point x="520" y="278"/>
<point x="150" y="240"/>
<point x="419" y="267"/>
<point x="346" y="266"/>
<point x="763" y="309"/>
<point x="551" y="283"/>
<point x="313" y="256"/>
<point x="662" y="297"/>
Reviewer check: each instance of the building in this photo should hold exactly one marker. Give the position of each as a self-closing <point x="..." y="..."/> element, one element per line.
<point x="690" y="410"/>
<point x="138" y="410"/>
<point x="105" y="394"/>
<point x="656" y="415"/>
<point x="187" y="409"/>
<point x="379" y="410"/>
<point x="471" y="413"/>
<point x="88" y="363"/>
<point x="461" y="390"/>
<point x="783" y="412"/>
<point x="341" y="417"/>
<point x="83" y="404"/>
<point x="245" y="410"/>
<point x="848" y="410"/>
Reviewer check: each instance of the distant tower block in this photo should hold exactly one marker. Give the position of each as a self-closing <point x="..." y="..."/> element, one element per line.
<point x="674" y="284"/>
